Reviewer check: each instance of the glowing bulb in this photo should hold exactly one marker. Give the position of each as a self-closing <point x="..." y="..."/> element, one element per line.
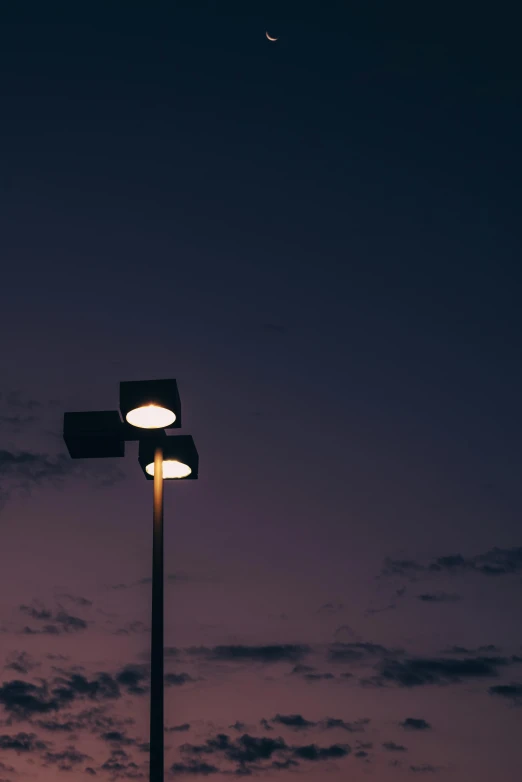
<point x="171" y="469"/>
<point x="151" y="417"/>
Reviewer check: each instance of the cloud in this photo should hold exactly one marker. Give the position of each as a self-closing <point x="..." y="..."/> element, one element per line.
<point x="61" y="621"/>
<point x="194" y="767"/>
<point x="179" y="728"/>
<point x="95" y="720"/>
<point x="101" y="687"/>
<point x="249" y="754"/>
<point x="280" y="765"/>
<point x="511" y="691"/>
<point x="16" y="421"/>
<point x="381" y="610"/>
<point x="301" y="669"/>
<point x="22" y="742"/>
<point x="132" y="627"/>
<point x="119" y="765"/>
<point x="15" y="399"/>
<point x="21" y="662"/>
<point x="25" y="700"/>
<point x="417" y="671"/>
<point x="438" y="597"/>
<point x="66" y="759"/>
<point x="295" y="721"/>
<point x="25" y="470"/>
<point x="298" y="722"/>
<point x="132" y="677"/>
<point x="391" y="746"/>
<point x="70" y="623"/>
<point x="60" y="726"/>
<point x="245" y="750"/>
<point x="310" y="674"/>
<point x="36" y="611"/>
<point x="77" y="600"/>
<point x="117" y="737"/>
<point x="314" y="753"/>
<point x="494" y="562"/>
<point x="17" y="412"/>
<point x="415" y="723"/>
<point x="260" y="654"/>
<point x="489" y="648"/>
<point x="177" y="679"/>
<point x="45" y="630"/>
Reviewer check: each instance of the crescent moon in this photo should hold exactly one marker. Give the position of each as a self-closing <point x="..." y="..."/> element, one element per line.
<point x="270" y="37"/>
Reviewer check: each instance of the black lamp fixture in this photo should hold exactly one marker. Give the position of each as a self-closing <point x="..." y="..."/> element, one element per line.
<point x="93" y="435"/>
<point x="180" y="458"/>
<point x="148" y="407"/>
<point x="151" y="404"/>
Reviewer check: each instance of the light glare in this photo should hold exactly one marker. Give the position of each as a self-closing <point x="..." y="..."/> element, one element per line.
<point x="151" y="417"/>
<point x="171" y="469"/>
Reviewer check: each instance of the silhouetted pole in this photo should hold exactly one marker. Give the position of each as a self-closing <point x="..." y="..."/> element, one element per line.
<point x="156" y="653"/>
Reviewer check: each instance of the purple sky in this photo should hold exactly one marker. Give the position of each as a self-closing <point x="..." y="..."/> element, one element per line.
<point x="319" y="242"/>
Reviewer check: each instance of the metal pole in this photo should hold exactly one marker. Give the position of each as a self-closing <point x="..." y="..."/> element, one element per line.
<point x="156" y="654"/>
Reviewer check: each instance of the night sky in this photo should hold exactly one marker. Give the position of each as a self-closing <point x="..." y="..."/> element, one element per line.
<point x="319" y="238"/>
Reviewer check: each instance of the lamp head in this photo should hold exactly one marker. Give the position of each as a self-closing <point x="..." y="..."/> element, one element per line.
<point x="151" y="404"/>
<point x="180" y="457"/>
<point x="93" y="435"/>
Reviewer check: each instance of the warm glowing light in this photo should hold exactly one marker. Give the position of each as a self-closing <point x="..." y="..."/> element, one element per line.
<point x="171" y="469"/>
<point x="151" y="417"/>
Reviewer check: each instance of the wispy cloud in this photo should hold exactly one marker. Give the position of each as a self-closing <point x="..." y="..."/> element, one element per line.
<point x="25" y="700"/>
<point x="438" y="597"/>
<point x="53" y="623"/>
<point x="494" y="562"/>
<point x="415" y="723"/>
<point x="178" y="679"/>
<point x="24" y="470"/>
<point x="419" y="671"/>
<point x="248" y="754"/>
<point x="512" y="692"/>
<point x="21" y="662"/>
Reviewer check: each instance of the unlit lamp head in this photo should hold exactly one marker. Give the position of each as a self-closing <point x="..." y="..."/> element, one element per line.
<point x="151" y="404"/>
<point x="93" y="435"/>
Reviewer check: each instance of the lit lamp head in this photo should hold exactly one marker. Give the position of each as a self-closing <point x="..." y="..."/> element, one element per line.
<point x="151" y="404"/>
<point x="180" y="458"/>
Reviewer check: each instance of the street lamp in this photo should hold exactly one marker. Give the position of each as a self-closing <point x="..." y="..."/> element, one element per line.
<point x="148" y="408"/>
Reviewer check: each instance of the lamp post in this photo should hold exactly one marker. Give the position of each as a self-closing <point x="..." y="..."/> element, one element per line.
<point x="148" y="407"/>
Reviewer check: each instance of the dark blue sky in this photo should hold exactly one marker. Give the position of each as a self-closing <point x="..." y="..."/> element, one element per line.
<point x="319" y="238"/>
